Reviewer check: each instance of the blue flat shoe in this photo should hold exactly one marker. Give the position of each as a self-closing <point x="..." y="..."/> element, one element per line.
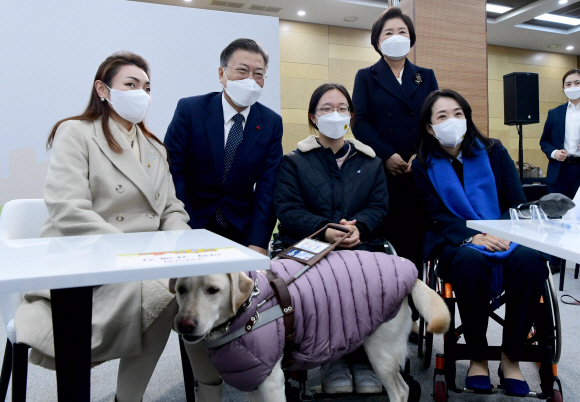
<point x="512" y="386"/>
<point x="478" y="382"/>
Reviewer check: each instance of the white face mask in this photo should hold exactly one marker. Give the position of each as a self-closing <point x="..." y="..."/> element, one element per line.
<point x="131" y="105"/>
<point x="396" y="47"/>
<point x="333" y="125"/>
<point x="451" y="132"/>
<point x="572" y="93"/>
<point x="244" y="92"/>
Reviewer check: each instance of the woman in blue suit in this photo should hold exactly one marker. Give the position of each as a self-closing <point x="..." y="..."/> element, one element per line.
<point x="387" y="98"/>
<point x="561" y="140"/>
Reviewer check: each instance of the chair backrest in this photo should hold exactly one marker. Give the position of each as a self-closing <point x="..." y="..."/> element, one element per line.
<point x="22" y="219"/>
<point x="19" y="219"/>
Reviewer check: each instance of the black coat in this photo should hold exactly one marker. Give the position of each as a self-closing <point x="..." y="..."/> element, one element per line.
<point x="387" y="113"/>
<point x="450" y="229"/>
<point x="312" y="191"/>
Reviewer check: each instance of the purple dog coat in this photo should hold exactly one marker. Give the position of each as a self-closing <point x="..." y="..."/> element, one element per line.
<point x="337" y="303"/>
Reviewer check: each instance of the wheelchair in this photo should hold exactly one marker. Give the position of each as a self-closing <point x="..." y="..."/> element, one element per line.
<point x="295" y="381"/>
<point x="543" y="345"/>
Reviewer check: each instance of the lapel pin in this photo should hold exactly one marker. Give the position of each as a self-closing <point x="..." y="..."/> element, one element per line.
<point x="257" y="128"/>
<point x="148" y="165"/>
<point x="153" y="156"/>
<point x="418" y="79"/>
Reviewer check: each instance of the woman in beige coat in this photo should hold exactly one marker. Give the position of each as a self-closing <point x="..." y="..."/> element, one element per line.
<point x="109" y="174"/>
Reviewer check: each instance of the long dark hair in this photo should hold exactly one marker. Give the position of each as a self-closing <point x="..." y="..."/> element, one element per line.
<point x="428" y="143"/>
<point x="317" y="94"/>
<point x="95" y="109"/>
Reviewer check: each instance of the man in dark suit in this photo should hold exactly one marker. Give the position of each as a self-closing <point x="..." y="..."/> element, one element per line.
<point x="225" y="150"/>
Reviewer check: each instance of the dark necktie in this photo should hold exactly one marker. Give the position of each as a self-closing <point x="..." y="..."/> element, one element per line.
<point x="458" y="167"/>
<point x="235" y="137"/>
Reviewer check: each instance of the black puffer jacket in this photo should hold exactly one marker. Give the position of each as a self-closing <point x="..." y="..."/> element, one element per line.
<point x="312" y="191"/>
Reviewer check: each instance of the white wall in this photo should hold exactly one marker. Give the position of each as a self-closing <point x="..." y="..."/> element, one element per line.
<point x="50" y="52"/>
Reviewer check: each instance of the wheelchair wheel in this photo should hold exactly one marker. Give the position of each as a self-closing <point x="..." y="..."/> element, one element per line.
<point x="557" y="397"/>
<point x="554" y="319"/>
<point x="440" y="392"/>
<point x="426" y="338"/>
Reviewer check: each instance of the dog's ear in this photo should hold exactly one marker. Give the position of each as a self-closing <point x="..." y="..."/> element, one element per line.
<point x="172" y="283"/>
<point x="241" y="286"/>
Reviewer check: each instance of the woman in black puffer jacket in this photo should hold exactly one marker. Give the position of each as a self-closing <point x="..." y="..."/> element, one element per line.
<point x="331" y="179"/>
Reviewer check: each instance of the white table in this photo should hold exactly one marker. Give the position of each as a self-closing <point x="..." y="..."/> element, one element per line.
<point x="72" y="266"/>
<point x="556" y="242"/>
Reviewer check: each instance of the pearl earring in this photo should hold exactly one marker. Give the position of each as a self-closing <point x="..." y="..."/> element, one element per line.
<point x="102" y="98"/>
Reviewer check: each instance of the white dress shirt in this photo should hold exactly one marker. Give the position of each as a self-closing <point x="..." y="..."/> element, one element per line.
<point x="572" y="133"/>
<point x="400" y="77"/>
<point x="229" y="113"/>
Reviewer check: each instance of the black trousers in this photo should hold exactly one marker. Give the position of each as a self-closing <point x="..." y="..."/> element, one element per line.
<point x="524" y="275"/>
<point x="568" y="181"/>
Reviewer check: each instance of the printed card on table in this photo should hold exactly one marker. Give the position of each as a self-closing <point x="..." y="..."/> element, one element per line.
<point x="179" y="257"/>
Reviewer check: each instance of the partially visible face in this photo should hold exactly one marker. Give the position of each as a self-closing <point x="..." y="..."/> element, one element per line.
<point x="330" y="101"/>
<point x="128" y="78"/>
<point x="573" y="80"/>
<point x="444" y="108"/>
<point x="202" y="301"/>
<point x="242" y="65"/>
<point x="394" y="26"/>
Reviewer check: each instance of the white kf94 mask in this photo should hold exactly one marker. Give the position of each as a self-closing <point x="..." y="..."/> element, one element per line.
<point x="131" y="105"/>
<point x="396" y="47"/>
<point x="244" y="92"/>
<point x="451" y="132"/>
<point x="333" y="125"/>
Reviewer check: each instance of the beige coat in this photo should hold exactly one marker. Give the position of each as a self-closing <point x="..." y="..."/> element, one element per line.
<point x="92" y="190"/>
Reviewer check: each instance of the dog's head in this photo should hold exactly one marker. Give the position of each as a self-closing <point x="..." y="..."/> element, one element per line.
<point x="208" y="301"/>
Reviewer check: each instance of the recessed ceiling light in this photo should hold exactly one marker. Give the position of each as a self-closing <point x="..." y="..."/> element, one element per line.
<point x="554" y="46"/>
<point x="569" y="47"/>
<point x="563" y="1"/>
<point x="187" y="1"/>
<point x="301" y="13"/>
<point x="494" y="8"/>
<point x="559" y="19"/>
<point x="351" y="19"/>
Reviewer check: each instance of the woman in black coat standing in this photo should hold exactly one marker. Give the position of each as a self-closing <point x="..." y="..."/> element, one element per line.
<point x="388" y="97"/>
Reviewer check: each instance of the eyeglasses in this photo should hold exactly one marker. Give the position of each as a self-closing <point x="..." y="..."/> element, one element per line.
<point x="327" y="109"/>
<point x="245" y="73"/>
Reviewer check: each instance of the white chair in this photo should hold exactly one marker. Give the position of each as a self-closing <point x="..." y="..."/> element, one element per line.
<point x="20" y="219"/>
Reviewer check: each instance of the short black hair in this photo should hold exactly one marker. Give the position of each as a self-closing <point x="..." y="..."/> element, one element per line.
<point x="568" y="73"/>
<point x="244" y="44"/>
<point x="428" y="142"/>
<point x="388" y="14"/>
<point x="317" y="94"/>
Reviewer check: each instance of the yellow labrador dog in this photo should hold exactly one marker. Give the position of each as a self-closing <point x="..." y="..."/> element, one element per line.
<point x="206" y="302"/>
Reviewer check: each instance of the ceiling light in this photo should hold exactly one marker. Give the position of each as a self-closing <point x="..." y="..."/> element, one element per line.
<point x="187" y="1"/>
<point x="554" y="46"/>
<point x="494" y="8"/>
<point x="563" y="2"/>
<point x="569" y="47"/>
<point x="559" y="19"/>
<point x="351" y="19"/>
<point x="301" y="13"/>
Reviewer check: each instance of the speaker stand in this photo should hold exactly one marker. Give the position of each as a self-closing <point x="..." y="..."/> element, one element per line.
<point x="521" y="153"/>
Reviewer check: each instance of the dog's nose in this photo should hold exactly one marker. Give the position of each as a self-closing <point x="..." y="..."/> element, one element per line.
<point x="187" y="325"/>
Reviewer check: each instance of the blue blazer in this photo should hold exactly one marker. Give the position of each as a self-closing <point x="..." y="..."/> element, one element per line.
<point x="195" y="142"/>
<point x="386" y="112"/>
<point x="448" y="228"/>
<point x="553" y="139"/>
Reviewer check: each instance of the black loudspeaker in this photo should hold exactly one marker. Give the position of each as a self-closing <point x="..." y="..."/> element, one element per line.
<point x="521" y="99"/>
